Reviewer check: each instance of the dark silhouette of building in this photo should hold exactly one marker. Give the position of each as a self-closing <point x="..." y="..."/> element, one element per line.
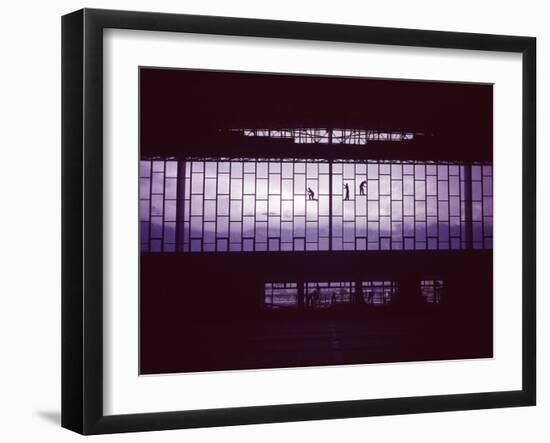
<point x="228" y="159"/>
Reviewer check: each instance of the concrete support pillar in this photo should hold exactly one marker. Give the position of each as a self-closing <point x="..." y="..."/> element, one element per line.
<point x="180" y="206"/>
<point x="300" y="295"/>
<point x="409" y="295"/>
<point x="359" y="298"/>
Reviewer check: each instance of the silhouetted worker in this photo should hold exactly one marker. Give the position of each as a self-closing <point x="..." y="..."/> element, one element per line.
<point x="315" y="296"/>
<point x="437" y="291"/>
<point x="362" y="187"/>
<point x="346" y="188"/>
<point x="310" y="194"/>
<point x="370" y="296"/>
<point x="333" y="299"/>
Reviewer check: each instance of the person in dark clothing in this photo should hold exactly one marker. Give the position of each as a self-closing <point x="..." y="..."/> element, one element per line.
<point x="346" y="189"/>
<point x="315" y="296"/>
<point x="310" y="194"/>
<point x="362" y="187"/>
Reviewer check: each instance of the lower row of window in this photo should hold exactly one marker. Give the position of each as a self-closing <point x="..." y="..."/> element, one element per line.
<point x="330" y="294"/>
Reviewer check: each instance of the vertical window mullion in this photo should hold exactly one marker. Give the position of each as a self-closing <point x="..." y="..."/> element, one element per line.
<point x="150" y="227"/>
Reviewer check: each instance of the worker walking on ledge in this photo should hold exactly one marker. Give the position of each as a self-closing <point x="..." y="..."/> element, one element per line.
<point x="362" y="187"/>
<point x="346" y="189"/>
<point x="310" y="194"/>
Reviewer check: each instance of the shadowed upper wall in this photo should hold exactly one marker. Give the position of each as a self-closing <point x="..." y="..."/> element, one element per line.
<point x="182" y="111"/>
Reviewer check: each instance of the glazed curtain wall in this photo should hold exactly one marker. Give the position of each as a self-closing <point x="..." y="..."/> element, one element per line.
<point x="208" y="205"/>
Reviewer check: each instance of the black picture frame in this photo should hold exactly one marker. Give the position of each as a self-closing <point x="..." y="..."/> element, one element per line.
<point x="82" y="215"/>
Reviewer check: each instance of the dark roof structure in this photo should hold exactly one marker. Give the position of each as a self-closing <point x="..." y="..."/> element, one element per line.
<point x="190" y="112"/>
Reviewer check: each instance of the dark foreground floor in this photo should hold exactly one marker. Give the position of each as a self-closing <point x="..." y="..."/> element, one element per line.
<point x="279" y="339"/>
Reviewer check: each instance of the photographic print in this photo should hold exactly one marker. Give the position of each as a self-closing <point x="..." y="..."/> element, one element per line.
<point x="299" y="220"/>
